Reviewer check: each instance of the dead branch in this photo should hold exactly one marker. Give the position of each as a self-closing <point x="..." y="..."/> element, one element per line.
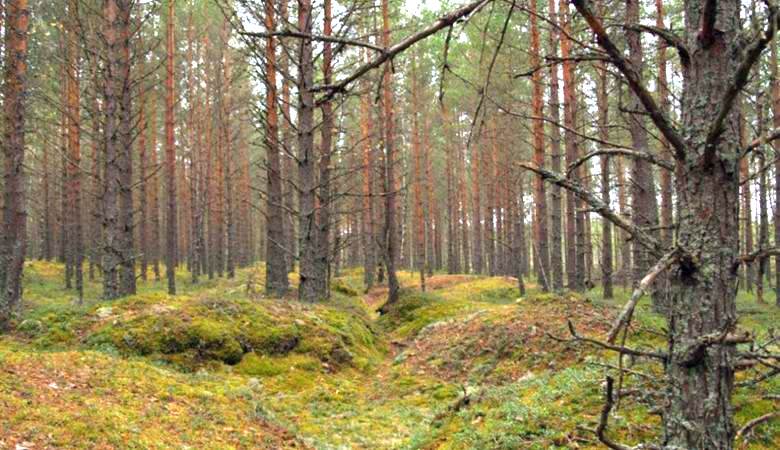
<point x="621" y="152"/>
<point x="758" y="254"/>
<point x="312" y="37"/>
<point x="628" y="310"/>
<point x="598" y="206"/>
<point x="443" y="22"/>
<point x="693" y="354"/>
<point x="667" y="36"/>
<point x="633" y="78"/>
<point x="601" y="430"/>
<point x="752" y="55"/>
<point x="615" y="348"/>
<point x="763" y="140"/>
<point x="756" y="422"/>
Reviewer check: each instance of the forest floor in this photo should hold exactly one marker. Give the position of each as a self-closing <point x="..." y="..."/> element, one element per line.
<point x="468" y="365"/>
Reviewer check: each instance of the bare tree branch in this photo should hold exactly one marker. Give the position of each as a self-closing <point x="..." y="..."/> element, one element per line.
<point x="667" y="36"/>
<point x="615" y="348"/>
<point x="628" y="310"/>
<point x="601" y="429"/>
<point x="313" y="37"/>
<point x="752" y="55"/>
<point x="636" y="154"/>
<point x="632" y="77"/>
<point x="641" y="236"/>
<point x="443" y="22"/>
<point x="763" y="140"/>
<point x="756" y="422"/>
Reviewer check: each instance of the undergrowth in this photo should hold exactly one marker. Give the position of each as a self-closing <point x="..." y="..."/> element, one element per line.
<point x="469" y="364"/>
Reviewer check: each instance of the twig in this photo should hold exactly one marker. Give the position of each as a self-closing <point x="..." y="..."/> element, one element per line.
<point x="756" y="422"/>
<point x="628" y="310"/>
<point x="601" y="430"/>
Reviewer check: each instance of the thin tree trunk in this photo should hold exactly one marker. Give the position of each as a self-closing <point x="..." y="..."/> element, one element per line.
<point x="368" y="232"/>
<point x="643" y="199"/>
<point x="276" y="264"/>
<point x="326" y="149"/>
<point x="417" y="182"/>
<point x="540" y="193"/>
<point x="308" y="287"/>
<point x="75" y="242"/>
<point x="606" y="226"/>
<point x="556" y="261"/>
<point x="667" y="208"/>
<point x="170" y="156"/>
<point x="776" y="148"/>
<point x="570" y="140"/>
<point x="391" y="238"/>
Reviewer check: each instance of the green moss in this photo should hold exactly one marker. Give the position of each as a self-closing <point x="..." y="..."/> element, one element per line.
<point x="325" y="371"/>
<point x="341" y="286"/>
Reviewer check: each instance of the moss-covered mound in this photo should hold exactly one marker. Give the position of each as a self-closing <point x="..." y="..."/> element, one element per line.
<point x="192" y="331"/>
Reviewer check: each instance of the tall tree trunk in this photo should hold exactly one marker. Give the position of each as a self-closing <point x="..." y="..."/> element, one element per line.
<point x="540" y="194"/>
<point x="154" y="193"/>
<point x="307" y="179"/>
<point x="228" y="158"/>
<point x="606" y="227"/>
<point x="453" y="263"/>
<point x="47" y="252"/>
<point x="326" y="149"/>
<point x="276" y="263"/>
<point x="519" y="237"/>
<point x="746" y="210"/>
<point x="570" y="140"/>
<point x="667" y="208"/>
<point x="776" y="148"/>
<point x="75" y="245"/>
<point x="368" y="221"/>
<point x="14" y="237"/>
<point x="763" y="222"/>
<point x="433" y="222"/>
<point x="170" y="156"/>
<point x="624" y="243"/>
<point x="644" y="210"/>
<point x="126" y="223"/>
<point x="391" y="238"/>
<point x="417" y="182"/>
<point x="143" y="227"/>
<point x="288" y="171"/>
<point x="556" y="259"/>
<point x="463" y="207"/>
<point x="112" y="252"/>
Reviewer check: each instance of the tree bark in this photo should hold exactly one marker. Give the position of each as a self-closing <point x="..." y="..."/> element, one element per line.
<point x="276" y="263"/>
<point x="75" y="252"/>
<point x="540" y="193"/>
<point x="308" y="287"/>
<point x="14" y="237"/>
<point x="556" y="259"/>
<point x="606" y="226"/>
<point x="570" y="140"/>
<point x="776" y="148"/>
<point x="391" y="238"/>
<point x="326" y="149"/>
<point x="170" y="156"/>
<point x="126" y="223"/>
